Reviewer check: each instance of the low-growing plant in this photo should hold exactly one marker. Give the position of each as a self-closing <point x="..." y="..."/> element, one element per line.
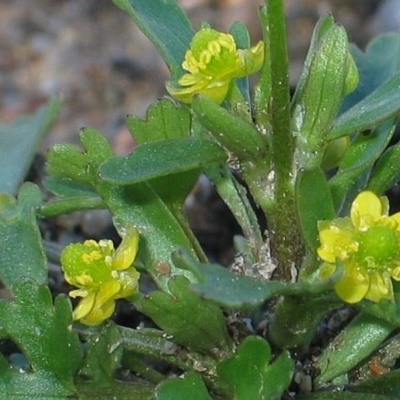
<point x="316" y="164"/>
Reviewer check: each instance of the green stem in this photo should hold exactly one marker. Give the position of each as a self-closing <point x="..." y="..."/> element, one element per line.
<point x="277" y="182"/>
<point x="282" y="139"/>
<point x="66" y="206"/>
<point x="154" y="343"/>
<point x="296" y="318"/>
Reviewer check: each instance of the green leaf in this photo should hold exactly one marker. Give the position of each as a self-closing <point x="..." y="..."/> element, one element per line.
<point x="164" y="120"/>
<point x="250" y="374"/>
<point x="237" y="135"/>
<point x="21" y="248"/>
<point x="173" y="389"/>
<point x="68" y="188"/>
<point x="330" y="71"/>
<point x="66" y="161"/>
<point x="385" y="384"/>
<point x="218" y="284"/>
<point x="191" y="321"/>
<point x="28" y="386"/>
<point x="19" y="142"/>
<point x="379" y="62"/>
<point x="262" y="90"/>
<point x="42" y="331"/>
<point x="340" y="395"/>
<point x="382" y="104"/>
<point x="241" y="35"/>
<point x="155" y="209"/>
<point x="161" y="158"/>
<point x="357" y="340"/>
<point x="118" y="390"/>
<point x="314" y="203"/>
<point x="296" y="319"/>
<point x="363" y="152"/>
<point x="325" y="23"/>
<point x="235" y="197"/>
<point x="386" y="171"/>
<point x="165" y="24"/>
<point x="103" y="355"/>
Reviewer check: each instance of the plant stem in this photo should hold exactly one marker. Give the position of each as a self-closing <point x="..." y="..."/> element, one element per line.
<point x="278" y="182"/>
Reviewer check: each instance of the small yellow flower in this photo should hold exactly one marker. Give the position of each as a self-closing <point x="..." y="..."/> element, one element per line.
<point x="101" y="274"/>
<point x="368" y="244"/>
<point x="213" y="61"/>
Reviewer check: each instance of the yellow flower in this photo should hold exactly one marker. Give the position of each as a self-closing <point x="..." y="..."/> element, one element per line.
<point x="367" y="244"/>
<point x="101" y="274"/>
<point x="213" y="61"/>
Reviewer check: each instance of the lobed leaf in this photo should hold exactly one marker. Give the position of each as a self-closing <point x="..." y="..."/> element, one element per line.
<point x="177" y="388"/>
<point x="164" y="120"/>
<point x="103" y="353"/>
<point x="42" y="330"/>
<point x="161" y="158"/>
<point x="190" y="320"/>
<point x="21" y="248"/>
<point x="218" y="284"/>
<point x="250" y="374"/>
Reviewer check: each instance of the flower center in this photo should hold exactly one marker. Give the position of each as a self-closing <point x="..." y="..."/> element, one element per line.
<point x="378" y="245"/>
<point x="211" y="53"/>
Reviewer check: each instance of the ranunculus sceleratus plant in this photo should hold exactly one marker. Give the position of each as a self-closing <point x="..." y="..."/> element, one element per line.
<point x="317" y="164"/>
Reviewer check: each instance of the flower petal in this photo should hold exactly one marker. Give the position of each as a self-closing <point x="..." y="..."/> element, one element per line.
<point x="365" y="210"/>
<point x="395" y="274"/>
<point x="380" y="287"/>
<point x="336" y="238"/>
<point x="98" y="305"/>
<point x="213" y="62"/>
<point x="84" y="306"/>
<point x="353" y="285"/>
<point x="129" y="282"/>
<point x="215" y="90"/>
<point x="97" y="316"/>
<point x="127" y="250"/>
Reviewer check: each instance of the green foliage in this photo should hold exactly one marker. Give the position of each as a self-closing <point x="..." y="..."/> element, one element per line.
<point x="165" y="24"/>
<point x="314" y="203"/>
<point x="164" y="120"/>
<point x="19" y="142"/>
<point x="21" y="248"/>
<point x="161" y="158"/>
<point x="236" y="135"/>
<point x="386" y="384"/>
<point x="190" y="320"/>
<point x="339" y="396"/>
<point x="43" y="333"/>
<point x="356" y="341"/>
<point x="102" y="356"/>
<point x="148" y="205"/>
<point x="379" y="106"/>
<point x="175" y="388"/>
<point x="298" y="162"/>
<point x="329" y="71"/>
<point x="358" y="160"/>
<point x="250" y="374"/>
<point x="230" y="290"/>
